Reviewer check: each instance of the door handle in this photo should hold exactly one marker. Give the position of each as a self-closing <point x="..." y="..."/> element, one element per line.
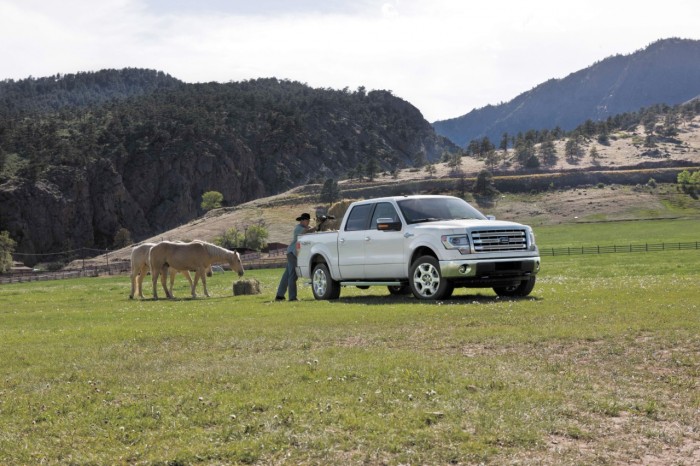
<point x="367" y="238"/>
<point x="342" y="240"/>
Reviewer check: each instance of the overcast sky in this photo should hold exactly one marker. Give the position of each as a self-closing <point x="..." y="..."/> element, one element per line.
<point x="446" y="57"/>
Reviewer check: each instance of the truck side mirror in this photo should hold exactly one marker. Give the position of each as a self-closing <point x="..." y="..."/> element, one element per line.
<point x="388" y="224"/>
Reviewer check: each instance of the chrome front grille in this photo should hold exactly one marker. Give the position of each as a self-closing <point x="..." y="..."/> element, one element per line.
<point x="507" y="239"/>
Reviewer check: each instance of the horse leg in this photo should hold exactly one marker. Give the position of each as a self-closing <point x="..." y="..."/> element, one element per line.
<point x="173" y="272"/>
<point x="194" y="284"/>
<point x="187" y="275"/>
<point x="133" y="283"/>
<point x="155" y="271"/>
<point x="204" y="280"/>
<point x="164" y="280"/>
<point x="139" y="280"/>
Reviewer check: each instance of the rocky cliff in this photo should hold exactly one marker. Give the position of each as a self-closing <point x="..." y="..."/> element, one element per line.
<point x="72" y="176"/>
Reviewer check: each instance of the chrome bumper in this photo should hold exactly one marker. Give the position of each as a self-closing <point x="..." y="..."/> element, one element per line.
<point x="489" y="267"/>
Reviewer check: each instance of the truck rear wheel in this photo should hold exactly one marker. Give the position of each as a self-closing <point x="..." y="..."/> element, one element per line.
<point x="426" y="281"/>
<point x="322" y="285"/>
<point x="516" y="291"/>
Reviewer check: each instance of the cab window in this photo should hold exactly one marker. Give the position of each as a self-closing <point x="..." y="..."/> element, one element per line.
<point x="384" y="210"/>
<point x="358" y="218"/>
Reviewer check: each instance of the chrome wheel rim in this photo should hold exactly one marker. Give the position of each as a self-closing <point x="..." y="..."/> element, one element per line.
<point x="426" y="280"/>
<point x="320" y="282"/>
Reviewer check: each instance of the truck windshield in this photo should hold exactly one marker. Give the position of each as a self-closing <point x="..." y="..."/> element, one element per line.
<point x="437" y="208"/>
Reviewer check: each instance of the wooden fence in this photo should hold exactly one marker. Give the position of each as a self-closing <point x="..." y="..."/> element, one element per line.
<point x="253" y="261"/>
<point x="278" y="260"/>
<point x="647" y="247"/>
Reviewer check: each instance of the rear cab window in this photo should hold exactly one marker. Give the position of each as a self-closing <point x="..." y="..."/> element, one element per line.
<point x="358" y="218"/>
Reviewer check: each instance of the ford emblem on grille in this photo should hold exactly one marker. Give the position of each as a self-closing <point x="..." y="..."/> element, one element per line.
<point x="503" y="240"/>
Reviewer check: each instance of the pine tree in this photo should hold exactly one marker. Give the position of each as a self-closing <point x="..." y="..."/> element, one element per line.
<point x="548" y="152"/>
<point x="484" y="184"/>
<point x="7" y="247"/>
<point x="330" y="192"/>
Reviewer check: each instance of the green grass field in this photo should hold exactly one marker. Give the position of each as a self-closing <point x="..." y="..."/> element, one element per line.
<point x="600" y="365"/>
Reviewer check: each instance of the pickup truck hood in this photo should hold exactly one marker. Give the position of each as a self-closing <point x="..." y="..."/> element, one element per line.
<point x="464" y="224"/>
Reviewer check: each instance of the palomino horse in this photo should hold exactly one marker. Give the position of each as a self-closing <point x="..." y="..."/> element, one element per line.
<point x="196" y="256"/>
<point x="140" y="267"/>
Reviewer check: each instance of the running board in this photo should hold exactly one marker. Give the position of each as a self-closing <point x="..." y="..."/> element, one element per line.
<point x="395" y="283"/>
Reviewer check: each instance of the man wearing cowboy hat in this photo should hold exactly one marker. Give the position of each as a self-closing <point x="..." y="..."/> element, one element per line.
<point x="289" y="278"/>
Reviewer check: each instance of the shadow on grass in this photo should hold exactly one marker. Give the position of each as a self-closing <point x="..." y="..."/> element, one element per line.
<point x="375" y="300"/>
<point x="185" y="298"/>
<point x="409" y="299"/>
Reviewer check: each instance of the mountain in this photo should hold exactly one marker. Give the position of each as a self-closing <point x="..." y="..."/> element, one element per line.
<point x="84" y="156"/>
<point x="666" y="72"/>
<point x="33" y="96"/>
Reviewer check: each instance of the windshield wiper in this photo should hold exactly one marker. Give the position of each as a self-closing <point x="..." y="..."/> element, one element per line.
<point x="427" y="219"/>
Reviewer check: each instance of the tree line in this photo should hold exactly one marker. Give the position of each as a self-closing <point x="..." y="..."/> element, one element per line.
<point x="536" y="148"/>
<point x="72" y="120"/>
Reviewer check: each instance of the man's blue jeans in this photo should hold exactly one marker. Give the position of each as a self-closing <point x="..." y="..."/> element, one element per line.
<point x="289" y="278"/>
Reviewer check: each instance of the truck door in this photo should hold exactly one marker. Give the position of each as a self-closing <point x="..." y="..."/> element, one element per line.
<point x="351" y="242"/>
<point x="384" y="250"/>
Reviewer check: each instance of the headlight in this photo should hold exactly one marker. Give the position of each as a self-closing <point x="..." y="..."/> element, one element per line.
<point x="459" y="242"/>
<point x="531" y="235"/>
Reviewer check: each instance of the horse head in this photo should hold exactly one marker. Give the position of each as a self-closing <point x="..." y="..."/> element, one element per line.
<point x="236" y="264"/>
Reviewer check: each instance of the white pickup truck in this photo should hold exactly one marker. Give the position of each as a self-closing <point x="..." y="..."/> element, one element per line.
<point x="424" y="244"/>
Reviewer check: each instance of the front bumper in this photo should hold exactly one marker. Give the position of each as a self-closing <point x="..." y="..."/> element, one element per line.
<point x="490" y="268"/>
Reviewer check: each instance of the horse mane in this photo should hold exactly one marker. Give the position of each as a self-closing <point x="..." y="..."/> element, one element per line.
<point x="217" y="251"/>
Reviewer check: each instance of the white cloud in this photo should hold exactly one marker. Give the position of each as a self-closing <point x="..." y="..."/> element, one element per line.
<point x="446" y="57"/>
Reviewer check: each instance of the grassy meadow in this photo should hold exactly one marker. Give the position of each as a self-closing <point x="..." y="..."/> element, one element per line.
<point x="600" y="365"/>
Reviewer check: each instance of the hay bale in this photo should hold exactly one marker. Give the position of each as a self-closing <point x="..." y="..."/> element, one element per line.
<point x="337" y="210"/>
<point x="251" y="286"/>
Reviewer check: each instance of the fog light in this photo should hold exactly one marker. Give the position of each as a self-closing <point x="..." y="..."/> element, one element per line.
<point x="464" y="269"/>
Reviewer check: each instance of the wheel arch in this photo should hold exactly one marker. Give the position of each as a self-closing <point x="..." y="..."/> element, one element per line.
<point x="419" y="252"/>
<point x="320" y="258"/>
<point x="317" y="258"/>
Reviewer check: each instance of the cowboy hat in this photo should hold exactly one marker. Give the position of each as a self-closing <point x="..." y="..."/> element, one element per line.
<point x="303" y="216"/>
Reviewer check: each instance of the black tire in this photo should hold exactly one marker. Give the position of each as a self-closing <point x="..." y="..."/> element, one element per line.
<point x="516" y="291"/>
<point x="426" y="281"/>
<point x="322" y="285"/>
<point x="399" y="290"/>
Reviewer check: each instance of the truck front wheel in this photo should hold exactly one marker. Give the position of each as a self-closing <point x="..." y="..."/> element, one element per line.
<point x="426" y="281"/>
<point x="323" y="286"/>
<point x="516" y="291"/>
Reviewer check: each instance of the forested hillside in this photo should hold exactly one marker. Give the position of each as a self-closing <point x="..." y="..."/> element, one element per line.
<point x="666" y="72"/>
<point x="86" y="155"/>
<point x="33" y="96"/>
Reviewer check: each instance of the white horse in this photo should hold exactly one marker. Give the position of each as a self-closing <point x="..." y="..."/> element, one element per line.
<point x="197" y="256"/>
<point x="140" y="267"/>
